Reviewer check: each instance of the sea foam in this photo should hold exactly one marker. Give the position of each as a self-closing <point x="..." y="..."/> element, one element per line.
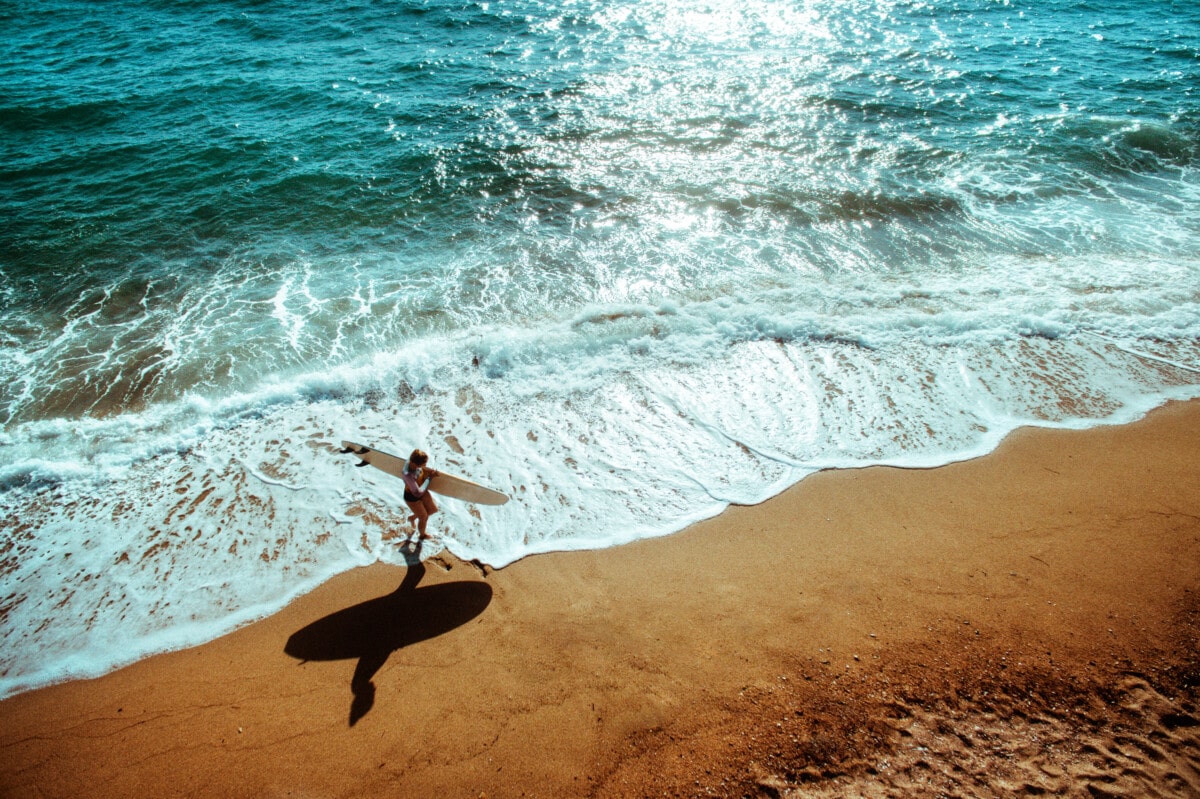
<point x="161" y="528"/>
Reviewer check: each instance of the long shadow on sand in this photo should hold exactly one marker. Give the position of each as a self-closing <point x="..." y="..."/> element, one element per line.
<point x="371" y="631"/>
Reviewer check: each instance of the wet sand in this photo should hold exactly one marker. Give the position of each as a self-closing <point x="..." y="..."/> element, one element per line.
<point x="1025" y="623"/>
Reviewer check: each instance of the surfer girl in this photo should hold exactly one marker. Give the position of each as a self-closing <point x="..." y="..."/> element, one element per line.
<point x="416" y="490"/>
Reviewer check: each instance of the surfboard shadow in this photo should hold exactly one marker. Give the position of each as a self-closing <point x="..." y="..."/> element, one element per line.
<point x="371" y="631"/>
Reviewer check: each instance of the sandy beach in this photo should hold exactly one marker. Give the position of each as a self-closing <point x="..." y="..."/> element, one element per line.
<point x="1025" y="623"/>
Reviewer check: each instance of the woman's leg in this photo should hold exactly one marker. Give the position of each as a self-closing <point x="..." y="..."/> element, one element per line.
<point x="422" y="509"/>
<point x="429" y="507"/>
<point x="419" y="516"/>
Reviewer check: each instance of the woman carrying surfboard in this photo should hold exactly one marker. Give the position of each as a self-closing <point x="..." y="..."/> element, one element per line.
<point x="416" y="491"/>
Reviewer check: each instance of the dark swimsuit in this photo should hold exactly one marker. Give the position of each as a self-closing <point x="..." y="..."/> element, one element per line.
<point x="409" y="496"/>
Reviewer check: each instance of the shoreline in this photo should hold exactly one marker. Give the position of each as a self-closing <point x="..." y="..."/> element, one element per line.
<point x="786" y="648"/>
<point x="186" y="637"/>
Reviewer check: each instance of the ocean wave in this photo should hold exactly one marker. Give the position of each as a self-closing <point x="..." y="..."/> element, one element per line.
<point x="1126" y="145"/>
<point x="584" y="347"/>
<point x="244" y="502"/>
<point x="68" y="116"/>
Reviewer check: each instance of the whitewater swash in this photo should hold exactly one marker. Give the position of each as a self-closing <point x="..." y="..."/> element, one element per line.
<point x="619" y="423"/>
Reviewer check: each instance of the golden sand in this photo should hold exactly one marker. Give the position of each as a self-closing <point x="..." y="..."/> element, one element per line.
<point x="1021" y="624"/>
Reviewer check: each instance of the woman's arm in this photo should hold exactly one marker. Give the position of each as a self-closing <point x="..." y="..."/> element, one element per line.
<point x="410" y="483"/>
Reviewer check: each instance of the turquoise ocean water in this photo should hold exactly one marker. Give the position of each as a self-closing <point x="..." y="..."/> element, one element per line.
<point x="629" y="262"/>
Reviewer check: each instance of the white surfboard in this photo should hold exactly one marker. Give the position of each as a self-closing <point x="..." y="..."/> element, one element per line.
<point x="445" y="484"/>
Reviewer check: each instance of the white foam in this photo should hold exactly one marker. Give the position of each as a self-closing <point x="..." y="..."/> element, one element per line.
<point x="165" y="527"/>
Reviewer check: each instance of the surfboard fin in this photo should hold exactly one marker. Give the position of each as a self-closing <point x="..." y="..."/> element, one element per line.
<point x="361" y="464"/>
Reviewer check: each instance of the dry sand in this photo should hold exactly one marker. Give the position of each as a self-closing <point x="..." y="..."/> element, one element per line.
<point x="1026" y="623"/>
